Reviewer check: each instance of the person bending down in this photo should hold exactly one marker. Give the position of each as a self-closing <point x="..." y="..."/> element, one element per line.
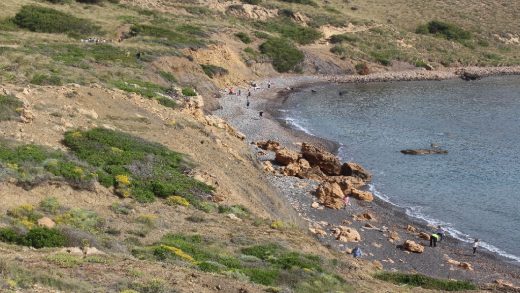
<point x="433" y="239"/>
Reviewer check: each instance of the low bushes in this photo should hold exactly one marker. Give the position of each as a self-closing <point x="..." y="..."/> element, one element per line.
<point x="306" y="2"/>
<point x="9" y="108"/>
<point x="36" y="237"/>
<point x="213" y="70"/>
<point x="243" y="37"/>
<point x="285" y="56"/>
<point x="425" y="282"/>
<point x="48" y="20"/>
<point x="335" y="39"/>
<point x="183" y="36"/>
<point x="445" y="30"/>
<point x="136" y="168"/>
<point x="45" y="79"/>
<point x="189" y="92"/>
<point x="291" y="30"/>
<point x="269" y="264"/>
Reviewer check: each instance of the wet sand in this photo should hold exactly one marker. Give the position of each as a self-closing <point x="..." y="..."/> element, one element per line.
<point x="375" y="244"/>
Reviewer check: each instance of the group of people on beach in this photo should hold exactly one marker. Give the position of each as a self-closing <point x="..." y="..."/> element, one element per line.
<point x="439" y="234"/>
<point x="254" y="87"/>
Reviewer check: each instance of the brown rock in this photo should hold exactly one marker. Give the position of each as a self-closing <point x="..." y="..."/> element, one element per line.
<point x="424" y="236"/>
<point x="362" y="195"/>
<point x="304" y="164"/>
<point x="292" y="169"/>
<point x="46" y="223"/>
<point x="346" y="182"/>
<point x="313" y="173"/>
<point x="268" y="167"/>
<point x="466" y="266"/>
<point x="394" y="235"/>
<point x="347" y="234"/>
<point x="315" y="205"/>
<point x="285" y="157"/>
<point x="269" y="145"/>
<point x="355" y="170"/>
<point x="412" y="246"/>
<point x="411" y="229"/>
<point x="330" y="195"/>
<point x="318" y="231"/>
<point x="327" y="162"/>
<point x="27" y="116"/>
<point x="364" y="217"/>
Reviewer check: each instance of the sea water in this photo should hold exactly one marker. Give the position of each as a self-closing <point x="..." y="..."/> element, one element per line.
<point x="474" y="190"/>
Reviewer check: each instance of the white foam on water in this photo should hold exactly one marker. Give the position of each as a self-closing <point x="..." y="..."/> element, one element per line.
<point x="416" y="212"/>
<point x="297" y="125"/>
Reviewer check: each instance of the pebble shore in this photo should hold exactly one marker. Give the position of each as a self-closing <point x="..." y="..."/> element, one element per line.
<point x="375" y="244"/>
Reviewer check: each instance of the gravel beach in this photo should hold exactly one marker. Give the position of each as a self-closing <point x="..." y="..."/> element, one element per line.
<point x="375" y="242"/>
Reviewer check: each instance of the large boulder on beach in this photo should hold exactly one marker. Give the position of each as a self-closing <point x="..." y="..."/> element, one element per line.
<point x="346" y="234"/>
<point x="362" y="195"/>
<point x="291" y="170"/>
<point x="313" y="173"/>
<point x="347" y="183"/>
<point x="269" y="145"/>
<point x="330" y="195"/>
<point x="285" y="157"/>
<point x="327" y="162"/>
<point x="424" y="236"/>
<point x="355" y="170"/>
<point x="412" y="246"/>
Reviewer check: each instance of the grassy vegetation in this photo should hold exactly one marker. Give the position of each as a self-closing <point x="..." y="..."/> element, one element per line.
<point x="270" y="264"/>
<point x="417" y="280"/>
<point x="48" y="20"/>
<point x="285" y="56"/>
<point x="134" y="167"/>
<point x="305" y="2"/>
<point x="291" y="30"/>
<point x="46" y="79"/>
<point x="9" y="108"/>
<point x="335" y="39"/>
<point x="35" y="237"/>
<point x="213" y="70"/>
<point x="189" y="92"/>
<point x="244" y="37"/>
<point x="183" y="36"/>
<point x="445" y="30"/>
<point x="143" y="88"/>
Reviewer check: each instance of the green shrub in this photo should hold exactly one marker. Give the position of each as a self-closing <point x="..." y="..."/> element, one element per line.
<point x="44" y="237"/>
<point x="238" y="210"/>
<point x="262" y="35"/>
<point x="339" y="50"/>
<point x="44" y="79"/>
<point x="184" y="36"/>
<point x="335" y="39"/>
<point x="425" y="282"/>
<point x="306" y="2"/>
<point x="58" y="1"/>
<point x="90" y="1"/>
<point x="243" y="37"/>
<point x="285" y="56"/>
<point x="252" y="2"/>
<point x="143" y="88"/>
<point x="167" y="76"/>
<point x="445" y="30"/>
<point x="8" y="235"/>
<point x="167" y="102"/>
<point x="140" y="169"/>
<point x="82" y="219"/>
<point x="189" y="92"/>
<point x="9" y="108"/>
<point x="362" y="68"/>
<point x="48" y="20"/>
<point x="50" y="205"/>
<point x="291" y="30"/>
<point x="213" y="70"/>
<point x="267" y="277"/>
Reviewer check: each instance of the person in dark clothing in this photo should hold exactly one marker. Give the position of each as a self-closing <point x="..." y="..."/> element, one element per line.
<point x="433" y="239"/>
<point x="247" y="103"/>
<point x="475" y="246"/>
<point x="440" y="232"/>
<point x="261" y="113"/>
<point x="356" y="252"/>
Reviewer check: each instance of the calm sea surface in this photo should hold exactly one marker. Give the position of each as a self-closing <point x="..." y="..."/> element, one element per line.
<point x="474" y="190"/>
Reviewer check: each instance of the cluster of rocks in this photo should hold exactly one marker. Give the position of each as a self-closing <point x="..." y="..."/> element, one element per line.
<point x="337" y="180"/>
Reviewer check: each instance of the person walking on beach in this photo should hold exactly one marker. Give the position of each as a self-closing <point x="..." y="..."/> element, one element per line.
<point x="475" y="246"/>
<point x="247" y="103"/>
<point x="433" y="239"/>
<point x="249" y="94"/>
<point x="440" y="232"/>
<point x="261" y="113"/>
<point x="356" y="252"/>
<point x="269" y="85"/>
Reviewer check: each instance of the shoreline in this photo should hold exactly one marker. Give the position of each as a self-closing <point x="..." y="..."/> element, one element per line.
<point x="488" y="266"/>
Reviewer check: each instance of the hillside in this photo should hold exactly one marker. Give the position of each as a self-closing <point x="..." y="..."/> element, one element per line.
<point x="107" y="142"/>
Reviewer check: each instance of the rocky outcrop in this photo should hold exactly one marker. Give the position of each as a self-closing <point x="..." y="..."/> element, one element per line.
<point x="362" y="195"/>
<point x="251" y="11"/>
<point x="424" y="236"/>
<point x="313" y="173"/>
<point x="424" y="152"/>
<point x="46" y="222"/>
<point x="330" y="195"/>
<point x="412" y="246"/>
<point x="346" y="234"/>
<point x="285" y="157"/>
<point x="355" y="170"/>
<point x="269" y="145"/>
<point x="347" y="183"/>
<point x="327" y="162"/>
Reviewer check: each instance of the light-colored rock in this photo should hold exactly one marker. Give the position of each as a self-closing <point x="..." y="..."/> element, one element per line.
<point x="364" y="217"/>
<point x="27" y="116"/>
<point x="80" y="251"/>
<point x="268" y="167"/>
<point x="466" y="265"/>
<point x="315" y="205"/>
<point x="394" y="236"/>
<point x="269" y="145"/>
<point x="234" y="217"/>
<point x="355" y="170"/>
<point x="251" y="11"/>
<point x="327" y="162"/>
<point x="412" y="246"/>
<point x="362" y="195"/>
<point x="330" y="195"/>
<point x="88" y="113"/>
<point x="411" y="229"/>
<point x="347" y="234"/>
<point x="424" y="236"/>
<point x="291" y="170"/>
<point x="46" y="222"/>
<point x="285" y="157"/>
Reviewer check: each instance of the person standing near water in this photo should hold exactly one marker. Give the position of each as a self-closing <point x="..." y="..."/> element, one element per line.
<point x="475" y="246"/>
<point x="433" y="239"/>
<point x="247" y="103"/>
<point x="440" y="232"/>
